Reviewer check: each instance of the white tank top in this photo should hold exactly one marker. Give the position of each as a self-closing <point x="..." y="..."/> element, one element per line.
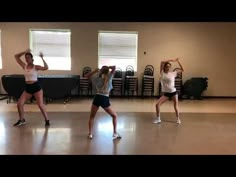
<point x="30" y="74"/>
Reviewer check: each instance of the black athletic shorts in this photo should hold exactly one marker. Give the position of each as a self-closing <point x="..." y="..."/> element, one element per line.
<point x="101" y="100"/>
<point x="170" y="95"/>
<point x="32" y="88"/>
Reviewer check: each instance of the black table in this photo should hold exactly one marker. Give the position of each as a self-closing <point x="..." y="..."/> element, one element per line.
<point x="54" y="86"/>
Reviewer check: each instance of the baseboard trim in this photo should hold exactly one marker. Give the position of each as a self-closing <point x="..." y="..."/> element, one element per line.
<point x="218" y="96"/>
<point x="4" y="96"/>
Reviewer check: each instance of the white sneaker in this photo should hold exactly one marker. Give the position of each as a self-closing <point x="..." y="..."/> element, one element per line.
<point x="178" y="121"/>
<point x="157" y="121"/>
<point x="90" y="136"/>
<point x="116" y="136"/>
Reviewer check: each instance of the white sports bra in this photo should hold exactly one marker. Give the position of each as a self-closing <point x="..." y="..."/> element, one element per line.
<point x="31" y="74"/>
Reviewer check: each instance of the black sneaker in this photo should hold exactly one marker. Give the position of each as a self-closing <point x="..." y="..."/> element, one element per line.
<point x="47" y="123"/>
<point x="20" y="122"/>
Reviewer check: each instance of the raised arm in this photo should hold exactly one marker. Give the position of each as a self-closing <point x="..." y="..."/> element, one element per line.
<point x="90" y="74"/>
<point x="113" y="69"/>
<point x="181" y="67"/>
<point x="164" y="61"/>
<point x="18" y="59"/>
<point x="45" y="65"/>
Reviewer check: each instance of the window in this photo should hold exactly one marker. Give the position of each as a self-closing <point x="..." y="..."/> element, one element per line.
<point x="55" y="45"/>
<point x="117" y="48"/>
<point x="0" y="50"/>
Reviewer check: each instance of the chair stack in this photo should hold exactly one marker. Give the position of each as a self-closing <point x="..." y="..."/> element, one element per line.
<point x="117" y="83"/>
<point x="131" y="82"/>
<point x="179" y="83"/>
<point x="148" y="81"/>
<point x="85" y="85"/>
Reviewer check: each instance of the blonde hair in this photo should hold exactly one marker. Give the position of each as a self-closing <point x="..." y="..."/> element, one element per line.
<point x="105" y="81"/>
<point x="104" y="74"/>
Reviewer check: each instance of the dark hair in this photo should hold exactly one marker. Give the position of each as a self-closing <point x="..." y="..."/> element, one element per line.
<point x="105" y="69"/>
<point x="166" y="63"/>
<point x="30" y="54"/>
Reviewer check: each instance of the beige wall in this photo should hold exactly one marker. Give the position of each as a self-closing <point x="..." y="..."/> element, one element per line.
<point x="205" y="49"/>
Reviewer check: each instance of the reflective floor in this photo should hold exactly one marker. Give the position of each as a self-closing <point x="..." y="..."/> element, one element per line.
<point x="203" y="131"/>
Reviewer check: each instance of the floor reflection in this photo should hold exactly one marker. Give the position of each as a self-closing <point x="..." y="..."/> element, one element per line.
<point x="68" y="134"/>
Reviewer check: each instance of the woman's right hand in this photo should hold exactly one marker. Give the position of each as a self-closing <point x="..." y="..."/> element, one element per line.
<point x="41" y="54"/>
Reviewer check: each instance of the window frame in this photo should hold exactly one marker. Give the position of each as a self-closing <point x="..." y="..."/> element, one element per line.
<point x="49" y="60"/>
<point x="135" y="65"/>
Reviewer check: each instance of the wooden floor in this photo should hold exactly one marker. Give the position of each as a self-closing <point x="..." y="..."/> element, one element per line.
<point x="208" y="127"/>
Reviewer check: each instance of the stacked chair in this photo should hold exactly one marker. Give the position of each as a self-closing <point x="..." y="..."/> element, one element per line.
<point x="131" y="82"/>
<point x="117" y="83"/>
<point x="85" y="85"/>
<point x="148" y="80"/>
<point x="179" y="83"/>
